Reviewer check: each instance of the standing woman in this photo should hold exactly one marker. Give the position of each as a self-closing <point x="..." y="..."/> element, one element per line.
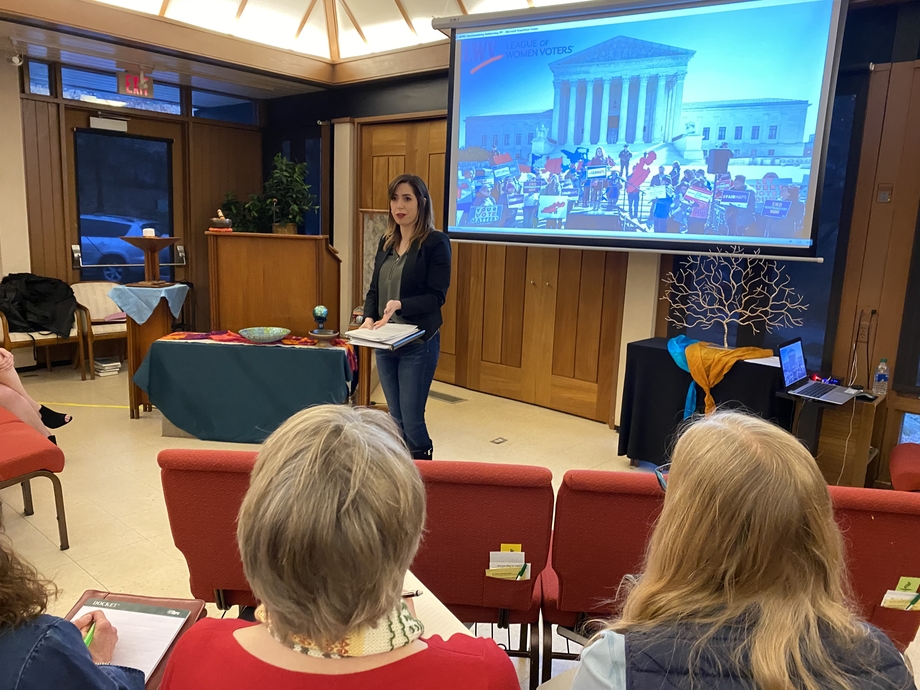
<point x="409" y="285"/>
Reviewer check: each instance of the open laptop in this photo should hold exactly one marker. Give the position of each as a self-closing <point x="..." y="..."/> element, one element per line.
<point x="792" y="362"/>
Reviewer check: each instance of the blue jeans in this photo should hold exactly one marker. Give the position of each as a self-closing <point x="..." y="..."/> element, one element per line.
<point x="406" y="375"/>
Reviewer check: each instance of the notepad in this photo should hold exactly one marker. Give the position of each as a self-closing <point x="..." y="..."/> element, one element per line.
<point x="144" y="632"/>
<point x="388" y="336"/>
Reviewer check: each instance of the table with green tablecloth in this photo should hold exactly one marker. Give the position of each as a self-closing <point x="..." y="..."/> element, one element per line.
<point x="240" y="393"/>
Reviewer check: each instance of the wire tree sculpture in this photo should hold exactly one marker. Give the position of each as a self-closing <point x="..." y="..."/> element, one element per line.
<point x="710" y="291"/>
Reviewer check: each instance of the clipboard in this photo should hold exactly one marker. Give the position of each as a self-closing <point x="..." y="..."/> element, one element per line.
<point x="195" y="607"/>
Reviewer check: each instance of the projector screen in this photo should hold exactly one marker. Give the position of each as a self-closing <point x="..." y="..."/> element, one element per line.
<point x="691" y="128"/>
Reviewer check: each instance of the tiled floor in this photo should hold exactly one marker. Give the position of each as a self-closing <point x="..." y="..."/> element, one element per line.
<point x="119" y="533"/>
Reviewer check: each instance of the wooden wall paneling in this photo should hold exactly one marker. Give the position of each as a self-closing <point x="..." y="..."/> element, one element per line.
<point x="513" y="309"/>
<point x="222" y="159"/>
<point x="49" y="244"/>
<point x="447" y="363"/>
<point x="493" y="305"/>
<point x="863" y="208"/>
<point x="661" y="315"/>
<point x="590" y="310"/>
<point x="540" y="321"/>
<point x="469" y="284"/>
<point x="611" y="330"/>
<point x="566" y="323"/>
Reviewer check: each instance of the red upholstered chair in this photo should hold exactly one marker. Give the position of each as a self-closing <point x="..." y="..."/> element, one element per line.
<point x="26" y="454"/>
<point x="904" y="466"/>
<point x="474" y="508"/>
<point x="880" y="529"/>
<point x="602" y="526"/>
<point x="204" y="490"/>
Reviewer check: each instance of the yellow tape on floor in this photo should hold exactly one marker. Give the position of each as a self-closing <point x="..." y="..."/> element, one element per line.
<point x="70" y="404"/>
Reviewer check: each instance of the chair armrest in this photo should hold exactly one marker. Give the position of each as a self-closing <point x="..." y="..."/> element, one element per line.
<point x="84" y="320"/>
<point x="4" y="329"/>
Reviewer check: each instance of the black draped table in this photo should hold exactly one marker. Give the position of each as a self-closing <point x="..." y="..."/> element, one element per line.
<point x="655" y="390"/>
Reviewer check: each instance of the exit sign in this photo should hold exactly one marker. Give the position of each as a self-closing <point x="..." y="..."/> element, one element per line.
<point x="131" y="84"/>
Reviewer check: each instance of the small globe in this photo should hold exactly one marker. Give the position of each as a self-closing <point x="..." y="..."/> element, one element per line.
<point x="320" y="313"/>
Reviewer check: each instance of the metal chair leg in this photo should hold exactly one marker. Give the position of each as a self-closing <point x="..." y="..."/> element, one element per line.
<point x="534" y="655"/>
<point x="27" y="508"/>
<point x="547" y="652"/>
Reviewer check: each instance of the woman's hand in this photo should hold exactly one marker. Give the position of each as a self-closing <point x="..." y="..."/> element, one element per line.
<point x="367" y="323"/>
<point x="393" y="306"/>
<point x="105" y="636"/>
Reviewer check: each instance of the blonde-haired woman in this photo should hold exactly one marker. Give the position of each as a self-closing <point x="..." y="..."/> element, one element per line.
<point x="327" y="530"/>
<point x="409" y="285"/>
<point x="744" y="583"/>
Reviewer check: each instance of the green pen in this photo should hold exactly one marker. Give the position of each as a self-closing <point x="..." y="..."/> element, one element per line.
<point x="521" y="572"/>
<point x="88" y="640"/>
<point x="912" y="602"/>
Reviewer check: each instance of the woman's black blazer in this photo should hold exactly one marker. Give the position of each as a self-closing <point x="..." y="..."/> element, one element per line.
<point x="425" y="280"/>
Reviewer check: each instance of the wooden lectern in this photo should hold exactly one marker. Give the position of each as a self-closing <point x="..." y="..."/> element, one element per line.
<point x="151" y="246"/>
<point x="272" y="280"/>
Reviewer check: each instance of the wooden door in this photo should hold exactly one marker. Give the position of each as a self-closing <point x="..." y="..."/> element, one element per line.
<point x="581" y="340"/>
<point x="541" y="325"/>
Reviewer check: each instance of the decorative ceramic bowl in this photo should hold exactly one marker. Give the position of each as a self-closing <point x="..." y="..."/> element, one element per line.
<point x="323" y="337"/>
<point x="265" y="334"/>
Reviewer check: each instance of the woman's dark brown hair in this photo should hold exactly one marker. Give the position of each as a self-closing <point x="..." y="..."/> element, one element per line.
<point x="23" y="593"/>
<point x="424" y="222"/>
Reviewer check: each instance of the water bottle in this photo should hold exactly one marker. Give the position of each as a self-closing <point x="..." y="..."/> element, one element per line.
<point x="880" y="382"/>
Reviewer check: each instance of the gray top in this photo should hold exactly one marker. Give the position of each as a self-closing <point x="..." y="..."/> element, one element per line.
<point x="388" y="283"/>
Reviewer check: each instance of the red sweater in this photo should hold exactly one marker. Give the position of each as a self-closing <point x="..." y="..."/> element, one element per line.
<point x="208" y="656"/>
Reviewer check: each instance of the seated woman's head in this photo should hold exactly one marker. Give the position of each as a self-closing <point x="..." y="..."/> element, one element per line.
<point x="331" y="522"/>
<point x="24" y="594"/>
<point x="747" y="538"/>
<point x="746" y="514"/>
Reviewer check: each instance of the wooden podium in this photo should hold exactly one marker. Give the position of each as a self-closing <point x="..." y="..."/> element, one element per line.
<point x="272" y="280"/>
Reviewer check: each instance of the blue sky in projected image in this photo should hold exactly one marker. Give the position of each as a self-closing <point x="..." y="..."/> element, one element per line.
<point x="759" y="52"/>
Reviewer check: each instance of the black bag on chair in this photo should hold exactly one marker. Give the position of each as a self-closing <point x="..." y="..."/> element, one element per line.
<point x="37" y="303"/>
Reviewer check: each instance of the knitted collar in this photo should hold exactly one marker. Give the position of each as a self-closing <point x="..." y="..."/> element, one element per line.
<point x="398" y="628"/>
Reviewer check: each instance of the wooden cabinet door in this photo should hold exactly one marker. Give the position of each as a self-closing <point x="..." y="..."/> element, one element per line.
<point x="581" y="332"/>
<point x="539" y="325"/>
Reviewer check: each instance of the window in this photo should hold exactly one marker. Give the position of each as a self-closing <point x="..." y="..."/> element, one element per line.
<point x="485" y="140"/>
<point x="773" y="131"/>
<point x="123" y="186"/>
<point x="755" y="132"/>
<point x="738" y="133"/>
<point x="102" y="89"/>
<point x="517" y="139"/>
<point x="530" y="138"/>
<point x="494" y="140"/>
<point x="721" y="133"/>
<point x="910" y="429"/>
<point x="227" y="108"/>
<point x="907" y="372"/>
<point x="39" y="81"/>
<point x="771" y="152"/>
<point x="507" y="139"/>
<point x="706" y="131"/>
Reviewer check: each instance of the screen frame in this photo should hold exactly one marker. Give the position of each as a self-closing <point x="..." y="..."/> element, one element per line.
<point x="581" y="11"/>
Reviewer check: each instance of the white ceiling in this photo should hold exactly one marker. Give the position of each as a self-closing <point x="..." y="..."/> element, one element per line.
<point x="360" y="27"/>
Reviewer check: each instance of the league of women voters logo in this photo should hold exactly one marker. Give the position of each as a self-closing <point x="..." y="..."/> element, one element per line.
<point x="477" y="54"/>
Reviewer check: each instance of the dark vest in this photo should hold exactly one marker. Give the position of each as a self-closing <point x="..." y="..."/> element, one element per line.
<point x="660" y="660"/>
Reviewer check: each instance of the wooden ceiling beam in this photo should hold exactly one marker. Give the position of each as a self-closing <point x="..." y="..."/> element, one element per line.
<point x="306" y="17"/>
<point x="462" y="7"/>
<point x="332" y="29"/>
<point x="405" y="15"/>
<point x="354" y="22"/>
<point x="241" y="8"/>
<point x="164" y="7"/>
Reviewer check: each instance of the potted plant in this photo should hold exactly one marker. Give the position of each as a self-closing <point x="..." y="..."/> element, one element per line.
<point x="285" y="200"/>
<point x="288" y="194"/>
